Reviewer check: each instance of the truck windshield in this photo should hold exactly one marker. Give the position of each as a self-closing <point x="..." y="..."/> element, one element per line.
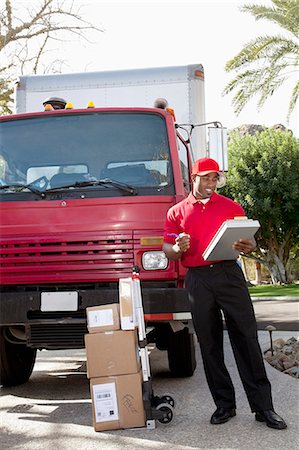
<point x="56" y="151"/>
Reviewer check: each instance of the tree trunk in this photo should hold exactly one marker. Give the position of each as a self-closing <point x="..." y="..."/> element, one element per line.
<point x="277" y="270"/>
<point x="244" y="268"/>
<point x="258" y="273"/>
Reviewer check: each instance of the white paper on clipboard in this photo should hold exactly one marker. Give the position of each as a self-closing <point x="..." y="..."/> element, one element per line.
<point x="220" y="247"/>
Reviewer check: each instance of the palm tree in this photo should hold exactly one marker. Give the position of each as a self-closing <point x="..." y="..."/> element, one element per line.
<point x="267" y="61"/>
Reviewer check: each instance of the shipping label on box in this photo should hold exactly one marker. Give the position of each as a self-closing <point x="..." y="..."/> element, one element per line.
<point x="127" y="390"/>
<point x="112" y="353"/>
<point x="103" y="318"/>
<point x="105" y="402"/>
<point x="100" y="318"/>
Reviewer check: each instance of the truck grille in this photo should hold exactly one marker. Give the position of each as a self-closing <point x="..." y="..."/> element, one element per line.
<point x="57" y="336"/>
<point x="66" y="257"/>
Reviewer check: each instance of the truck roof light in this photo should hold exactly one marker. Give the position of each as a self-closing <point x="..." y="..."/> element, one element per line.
<point x="69" y="105"/>
<point x="90" y="105"/>
<point x="56" y="102"/>
<point x="48" y="107"/>
<point x="160" y="103"/>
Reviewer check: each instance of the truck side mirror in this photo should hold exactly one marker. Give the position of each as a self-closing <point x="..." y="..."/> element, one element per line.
<point x="217" y="145"/>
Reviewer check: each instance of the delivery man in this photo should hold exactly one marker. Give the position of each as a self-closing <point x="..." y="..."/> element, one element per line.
<point x="216" y="288"/>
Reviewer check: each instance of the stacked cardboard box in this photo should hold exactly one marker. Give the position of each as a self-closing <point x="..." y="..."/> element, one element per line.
<point x="113" y="366"/>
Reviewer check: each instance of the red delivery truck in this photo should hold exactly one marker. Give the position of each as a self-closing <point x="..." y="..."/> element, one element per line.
<point x="84" y="194"/>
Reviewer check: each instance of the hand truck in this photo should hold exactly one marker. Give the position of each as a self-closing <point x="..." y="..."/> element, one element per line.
<point x="156" y="408"/>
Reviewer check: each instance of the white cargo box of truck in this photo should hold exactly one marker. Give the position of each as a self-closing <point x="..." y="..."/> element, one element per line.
<point x="182" y="86"/>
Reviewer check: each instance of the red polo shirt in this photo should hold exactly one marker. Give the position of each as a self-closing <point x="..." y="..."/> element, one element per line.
<point x="201" y="221"/>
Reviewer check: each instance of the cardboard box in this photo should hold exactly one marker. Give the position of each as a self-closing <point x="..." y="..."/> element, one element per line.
<point x="112" y="353"/>
<point x="103" y="318"/>
<point x="126" y="304"/>
<point x="117" y="402"/>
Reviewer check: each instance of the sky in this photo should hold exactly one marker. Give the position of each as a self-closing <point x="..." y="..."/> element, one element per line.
<point x="157" y="33"/>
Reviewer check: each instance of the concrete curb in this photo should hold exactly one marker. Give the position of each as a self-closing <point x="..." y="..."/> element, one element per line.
<point x="286" y="298"/>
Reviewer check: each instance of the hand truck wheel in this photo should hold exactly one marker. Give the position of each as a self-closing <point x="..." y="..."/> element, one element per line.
<point x="167" y="412"/>
<point x="166" y="398"/>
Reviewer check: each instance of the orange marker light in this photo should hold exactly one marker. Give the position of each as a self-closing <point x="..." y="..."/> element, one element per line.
<point x="171" y="112"/>
<point x="199" y="74"/>
<point x="48" y="107"/>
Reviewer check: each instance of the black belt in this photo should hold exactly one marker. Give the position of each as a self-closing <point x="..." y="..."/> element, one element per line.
<point x="215" y="265"/>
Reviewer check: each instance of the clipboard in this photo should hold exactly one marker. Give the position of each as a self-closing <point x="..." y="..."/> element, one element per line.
<point x="230" y="231"/>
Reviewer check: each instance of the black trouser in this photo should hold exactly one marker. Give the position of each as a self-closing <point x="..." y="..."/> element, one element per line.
<point x="219" y="287"/>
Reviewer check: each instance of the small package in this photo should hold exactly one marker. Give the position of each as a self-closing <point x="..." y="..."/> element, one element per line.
<point x="103" y="318"/>
<point x="112" y="353"/>
<point x="117" y="402"/>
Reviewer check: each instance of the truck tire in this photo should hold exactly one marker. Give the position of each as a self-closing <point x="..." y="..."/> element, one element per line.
<point x="16" y="361"/>
<point x="181" y="353"/>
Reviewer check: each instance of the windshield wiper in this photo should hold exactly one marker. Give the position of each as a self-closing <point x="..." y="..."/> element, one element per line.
<point x="79" y="184"/>
<point x="19" y="187"/>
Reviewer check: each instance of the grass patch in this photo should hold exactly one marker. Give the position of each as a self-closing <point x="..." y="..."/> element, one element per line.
<point x="270" y="290"/>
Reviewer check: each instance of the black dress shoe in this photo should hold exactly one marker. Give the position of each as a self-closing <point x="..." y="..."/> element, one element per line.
<point x="222" y="415"/>
<point x="272" y="419"/>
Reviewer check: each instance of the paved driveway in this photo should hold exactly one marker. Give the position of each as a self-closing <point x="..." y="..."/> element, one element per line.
<point x="53" y="410"/>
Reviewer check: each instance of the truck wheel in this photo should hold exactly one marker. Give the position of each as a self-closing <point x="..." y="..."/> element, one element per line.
<point x="16" y="361"/>
<point x="181" y="353"/>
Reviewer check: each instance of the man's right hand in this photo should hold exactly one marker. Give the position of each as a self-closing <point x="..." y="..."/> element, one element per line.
<point x="183" y="242"/>
<point x="174" y="251"/>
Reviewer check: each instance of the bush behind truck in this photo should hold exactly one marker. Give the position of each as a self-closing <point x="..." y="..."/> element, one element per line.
<point x="84" y="192"/>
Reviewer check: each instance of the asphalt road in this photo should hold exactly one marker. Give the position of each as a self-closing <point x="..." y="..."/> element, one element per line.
<point x="53" y="410"/>
<point x="282" y="313"/>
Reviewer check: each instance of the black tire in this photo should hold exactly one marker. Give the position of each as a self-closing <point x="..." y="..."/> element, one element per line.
<point x="166" y="398"/>
<point x="16" y="361"/>
<point x="181" y="353"/>
<point x="160" y="335"/>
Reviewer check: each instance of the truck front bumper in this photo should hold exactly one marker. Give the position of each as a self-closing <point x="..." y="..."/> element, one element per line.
<point x="21" y="313"/>
<point x="21" y="307"/>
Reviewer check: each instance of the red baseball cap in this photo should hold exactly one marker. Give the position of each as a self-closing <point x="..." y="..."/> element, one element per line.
<point x="204" y="166"/>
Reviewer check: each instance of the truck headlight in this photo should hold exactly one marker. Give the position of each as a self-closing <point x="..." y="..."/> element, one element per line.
<point x="154" y="260"/>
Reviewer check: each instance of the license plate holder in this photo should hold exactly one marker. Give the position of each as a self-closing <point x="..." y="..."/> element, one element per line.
<point x="59" y="301"/>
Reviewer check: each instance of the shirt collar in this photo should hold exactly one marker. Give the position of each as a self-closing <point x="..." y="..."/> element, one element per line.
<point x="191" y="199"/>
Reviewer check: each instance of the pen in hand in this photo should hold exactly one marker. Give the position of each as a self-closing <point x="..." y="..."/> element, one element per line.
<point x="182" y="240"/>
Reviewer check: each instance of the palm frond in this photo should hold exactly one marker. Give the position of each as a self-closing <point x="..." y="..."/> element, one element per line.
<point x="262" y="47"/>
<point x="293" y="101"/>
<point x="268" y="88"/>
<point x="250" y="75"/>
<point x="262" y="83"/>
<point x="246" y="85"/>
<point x="264" y="63"/>
<point x="284" y="13"/>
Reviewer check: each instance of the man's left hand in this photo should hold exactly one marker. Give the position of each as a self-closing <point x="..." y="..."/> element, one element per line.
<point x="244" y="245"/>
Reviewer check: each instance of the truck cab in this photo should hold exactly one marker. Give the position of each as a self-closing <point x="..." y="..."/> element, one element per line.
<point x="84" y="197"/>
